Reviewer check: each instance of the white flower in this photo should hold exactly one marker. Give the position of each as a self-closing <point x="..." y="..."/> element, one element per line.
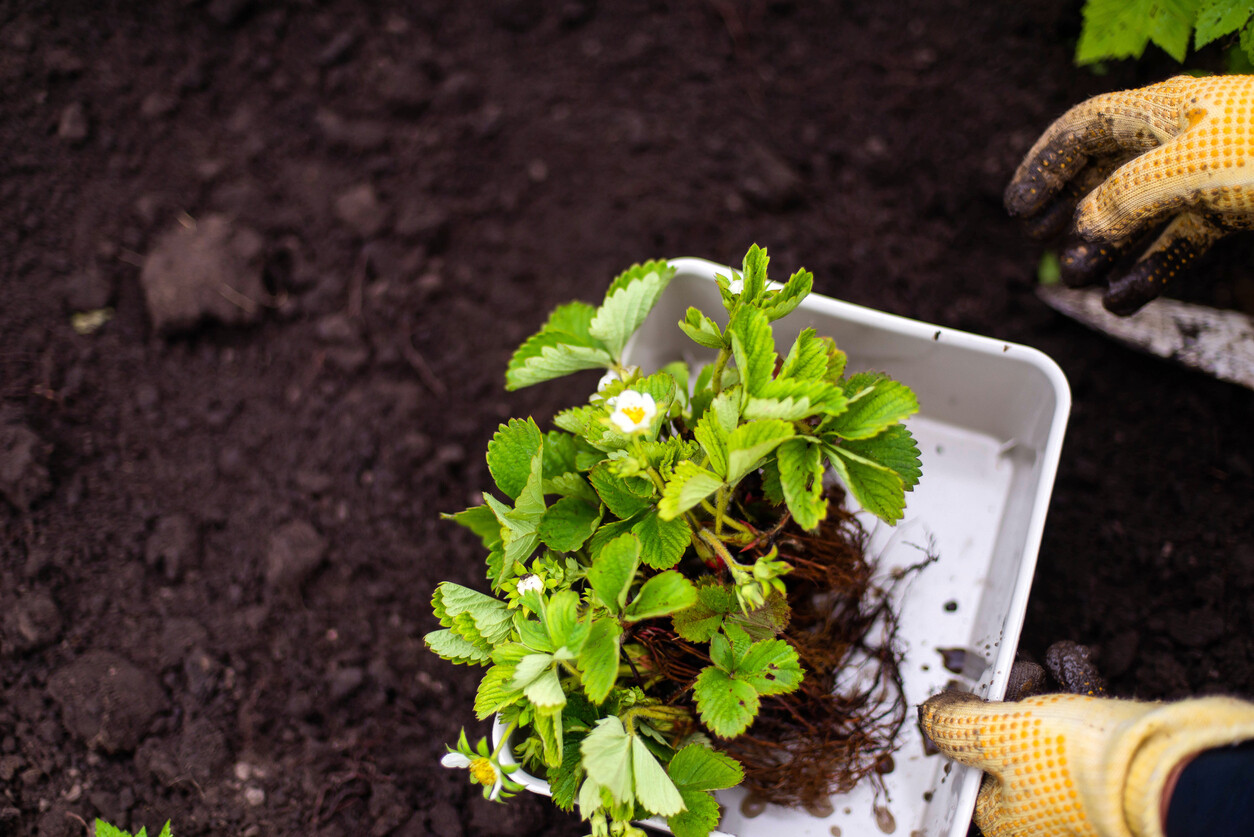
<point x="736" y="285"/>
<point x="529" y="583"/>
<point x="633" y="411"/>
<point x="482" y="771"/>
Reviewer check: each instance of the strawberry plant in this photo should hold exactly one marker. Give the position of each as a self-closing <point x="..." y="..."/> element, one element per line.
<point x="672" y="558"/>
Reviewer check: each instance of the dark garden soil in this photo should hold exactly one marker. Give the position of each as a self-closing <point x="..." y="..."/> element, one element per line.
<point x="323" y="226"/>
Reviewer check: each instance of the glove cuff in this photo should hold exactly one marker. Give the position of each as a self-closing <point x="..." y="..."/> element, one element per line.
<point x="1159" y="741"/>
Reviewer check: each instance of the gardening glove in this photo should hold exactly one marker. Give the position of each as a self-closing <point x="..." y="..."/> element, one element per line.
<point x="1075" y="765"/>
<point x="1181" y="151"/>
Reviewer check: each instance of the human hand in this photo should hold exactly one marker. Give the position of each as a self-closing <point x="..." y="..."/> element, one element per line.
<point x="1076" y="765"/>
<point x="1181" y="151"/>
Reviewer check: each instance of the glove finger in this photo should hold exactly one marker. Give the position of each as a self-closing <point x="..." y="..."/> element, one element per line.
<point x="1056" y="216"/>
<point x="1110" y="124"/>
<point x="991" y="815"/>
<point x="1184" y="240"/>
<point x="950" y="720"/>
<point x="1087" y="262"/>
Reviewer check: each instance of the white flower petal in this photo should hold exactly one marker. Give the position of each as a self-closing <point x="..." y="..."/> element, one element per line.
<point x="633" y="411"/>
<point x="455" y="760"/>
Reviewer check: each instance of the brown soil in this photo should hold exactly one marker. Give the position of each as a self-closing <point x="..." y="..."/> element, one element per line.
<point x="323" y="226"/>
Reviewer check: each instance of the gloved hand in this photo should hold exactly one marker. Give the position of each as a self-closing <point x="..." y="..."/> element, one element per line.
<point x="1182" y="150"/>
<point x="1076" y="765"/>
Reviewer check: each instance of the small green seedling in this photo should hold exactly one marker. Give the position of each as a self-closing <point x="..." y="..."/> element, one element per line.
<point x="103" y="829"/>
<point x="647" y="517"/>
<point x="1118" y="29"/>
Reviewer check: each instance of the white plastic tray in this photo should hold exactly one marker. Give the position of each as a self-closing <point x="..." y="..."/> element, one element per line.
<point x="990" y="433"/>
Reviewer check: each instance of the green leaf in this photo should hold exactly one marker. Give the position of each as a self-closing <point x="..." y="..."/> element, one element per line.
<point x="547" y="724"/>
<point x="801" y="479"/>
<point x="784" y="301"/>
<point x="533" y="634"/>
<point x="662" y="542"/>
<point x="1116" y="29"/>
<point x="613" y="570"/>
<point x="564" y="780"/>
<point x="456" y="649"/>
<point x="1247" y="41"/>
<point x="754" y="274"/>
<point x="598" y="661"/>
<point x="481" y="521"/>
<point x="726" y="705"/>
<point x="749" y="443"/>
<point x="626" y="306"/>
<point x="764" y="622"/>
<point x="530" y="669"/>
<point x="559" y="453"/>
<point x="689" y="485"/>
<point x="552" y="354"/>
<point x="771" y="667"/>
<point x="561" y="619"/>
<point x="794" y="399"/>
<point x="495" y="692"/>
<point x="661" y="595"/>
<point x="623" y="496"/>
<point x="607" y="759"/>
<point x="895" y="449"/>
<point x="876" y="403"/>
<point x="699" y="768"/>
<point x="546" y="690"/>
<point x="489" y="618"/>
<point x="654" y="789"/>
<point x="510" y="453"/>
<point x="807" y="359"/>
<point x="568" y="524"/>
<point x="753" y="346"/>
<point x="1217" y="18"/>
<point x="714" y="427"/>
<point x="703" y="330"/>
<point x="702" y="620"/>
<point x="700" y="817"/>
<point x="878" y="489"/>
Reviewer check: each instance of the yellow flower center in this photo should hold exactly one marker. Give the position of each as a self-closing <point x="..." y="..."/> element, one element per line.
<point x="636" y="414"/>
<point x="483" y="771"/>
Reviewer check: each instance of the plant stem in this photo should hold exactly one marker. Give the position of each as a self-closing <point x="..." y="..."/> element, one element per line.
<point x="513" y="725"/>
<point x="716" y="378"/>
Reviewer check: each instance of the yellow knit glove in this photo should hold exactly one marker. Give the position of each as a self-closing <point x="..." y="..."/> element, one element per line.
<point x="1180" y="149"/>
<point x="1076" y="765"/>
